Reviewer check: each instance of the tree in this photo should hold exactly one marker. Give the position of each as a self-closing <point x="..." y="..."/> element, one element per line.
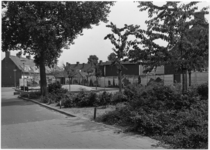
<point x="89" y="72"/>
<point x="93" y="60"/>
<point x="44" y="28"/>
<point x="97" y="72"/>
<point x="112" y="57"/>
<point x="71" y="73"/>
<point x="122" y="46"/>
<point x="172" y="23"/>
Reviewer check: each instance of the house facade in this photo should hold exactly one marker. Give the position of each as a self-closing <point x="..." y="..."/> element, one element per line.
<point x="16" y="67"/>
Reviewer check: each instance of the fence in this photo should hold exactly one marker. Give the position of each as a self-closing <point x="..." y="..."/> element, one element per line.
<point x="196" y="79"/>
<point x="112" y="81"/>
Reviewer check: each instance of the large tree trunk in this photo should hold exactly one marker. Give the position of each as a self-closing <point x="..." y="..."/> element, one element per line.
<point x="120" y="80"/>
<point x="43" y="77"/>
<point x="184" y="80"/>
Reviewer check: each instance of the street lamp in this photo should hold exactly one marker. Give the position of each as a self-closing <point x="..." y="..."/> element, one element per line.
<point x="15" y="77"/>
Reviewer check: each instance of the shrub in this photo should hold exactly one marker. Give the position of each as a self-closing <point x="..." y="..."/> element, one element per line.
<point x="203" y="90"/>
<point x="118" y="116"/>
<point x="118" y="98"/>
<point x="53" y="87"/>
<point x="104" y="98"/>
<point x="163" y="112"/>
<point x="83" y="99"/>
<point x="34" y="95"/>
<point x="133" y="90"/>
<point x="68" y="100"/>
<point x="93" y="99"/>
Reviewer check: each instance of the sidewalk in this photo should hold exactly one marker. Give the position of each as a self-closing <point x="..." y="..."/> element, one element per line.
<point x="110" y="134"/>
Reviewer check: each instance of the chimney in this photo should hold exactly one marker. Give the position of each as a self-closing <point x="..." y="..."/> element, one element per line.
<point x="199" y="16"/>
<point x="28" y="57"/>
<point x="100" y="62"/>
<point x="83" y="65"/>
<point x="7" y="54"/>
<point x="77" y="63"/>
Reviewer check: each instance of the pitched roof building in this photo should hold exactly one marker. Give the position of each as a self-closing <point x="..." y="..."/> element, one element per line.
<point x="15" y="67"/>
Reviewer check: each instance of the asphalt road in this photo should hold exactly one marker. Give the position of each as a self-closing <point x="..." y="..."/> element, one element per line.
<point x="28" y="125"/>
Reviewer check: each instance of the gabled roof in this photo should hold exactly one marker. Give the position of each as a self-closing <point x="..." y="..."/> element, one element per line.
<point x="28" y="65"/>
<point x="79" y="74"/>
<point x="81" y="70"/>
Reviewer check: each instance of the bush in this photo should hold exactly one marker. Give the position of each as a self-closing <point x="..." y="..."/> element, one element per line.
<point x="68" y="100"/>
<point x="119" y="116"/>
<point x="118" y="98"/>
<point x="104" y="98"/>
<point x="83" y="99"/>
<point x="54" y="87"/>
<point x="203" y="90"/>
<point x="133" y="90"/>
<point x="57" y="95"/>
<point x="34" y="95"/>
<point x="163" y="112"/>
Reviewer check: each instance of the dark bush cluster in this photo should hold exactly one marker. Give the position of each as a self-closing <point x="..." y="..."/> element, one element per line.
<point x="203" y="90"/>
<point x="86" y="99"/>
<point x="180" y="120"/>
<point x="54" y="87"/>
<point x="56" y="92"/>
<point x="104" y="98"/>
<point x="34" y="95"/>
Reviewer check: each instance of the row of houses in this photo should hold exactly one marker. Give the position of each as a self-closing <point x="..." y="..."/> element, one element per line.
<point x="131" y="73"/>
<point x="16" y="67"/>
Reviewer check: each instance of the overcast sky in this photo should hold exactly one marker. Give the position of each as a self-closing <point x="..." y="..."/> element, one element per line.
<point x="92" y="42"/>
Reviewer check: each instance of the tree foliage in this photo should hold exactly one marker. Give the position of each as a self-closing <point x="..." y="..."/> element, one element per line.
<point x="121" y="45"/>
<point x="43" y="28"/>
<point x="112" y="57"/>
<point x="70" y="71"/>
<point x="93" y="60"/>
<point x="186" y="38"/>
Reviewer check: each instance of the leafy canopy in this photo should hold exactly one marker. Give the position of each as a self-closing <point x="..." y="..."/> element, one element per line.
<point x="112" y="57"/>
<point x="174" y="23"/>
<point x="121" y="43"/>
<point x="43" y="28"/>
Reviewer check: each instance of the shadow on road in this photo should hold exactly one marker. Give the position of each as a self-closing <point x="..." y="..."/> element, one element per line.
<point x="14" y="101"/>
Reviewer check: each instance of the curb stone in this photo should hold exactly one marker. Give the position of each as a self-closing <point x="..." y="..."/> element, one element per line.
<point x="50" y="107"/>
<point x="68" y="113"/>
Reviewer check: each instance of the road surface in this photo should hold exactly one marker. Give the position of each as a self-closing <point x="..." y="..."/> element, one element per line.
<point x="28" y="125"/>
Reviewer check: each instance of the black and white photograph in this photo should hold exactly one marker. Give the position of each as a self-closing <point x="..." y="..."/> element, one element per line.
<point x="104" y="74"/>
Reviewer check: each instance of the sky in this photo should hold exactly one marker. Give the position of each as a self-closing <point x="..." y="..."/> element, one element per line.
<point x="92" y="42"/>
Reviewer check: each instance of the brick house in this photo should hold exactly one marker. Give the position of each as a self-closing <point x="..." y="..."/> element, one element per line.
<point x="17" y="67"/>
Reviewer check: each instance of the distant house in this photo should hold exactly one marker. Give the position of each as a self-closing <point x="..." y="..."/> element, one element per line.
<point x="85" y="72"/>
<point x="129" y="69"/>
<point x="17" y="67"/>
<point x="81" y="73"/>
